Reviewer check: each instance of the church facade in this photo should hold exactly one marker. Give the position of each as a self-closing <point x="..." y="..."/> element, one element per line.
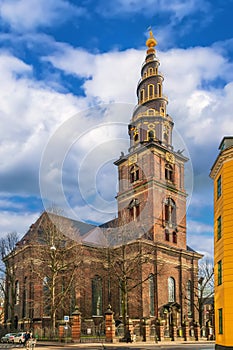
<point x="143" y="268"/>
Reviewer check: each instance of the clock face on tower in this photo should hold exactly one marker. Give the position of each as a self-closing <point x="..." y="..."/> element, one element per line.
<point x="170" y="157"/>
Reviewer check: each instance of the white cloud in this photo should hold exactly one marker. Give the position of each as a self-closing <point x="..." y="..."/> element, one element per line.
<point x="16" y="222"/>
<point x="27" y="15"/>
<point x="177" y="8"/>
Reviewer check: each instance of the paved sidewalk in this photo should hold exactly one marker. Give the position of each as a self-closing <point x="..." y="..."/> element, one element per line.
<point x="57" y="345"/>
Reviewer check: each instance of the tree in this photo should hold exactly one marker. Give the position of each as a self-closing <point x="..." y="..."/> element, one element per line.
<point x="205" y="290"/>
<point x="125" y="255"/>
<point x="8" y="280"/>
<point x="54" y="264"/>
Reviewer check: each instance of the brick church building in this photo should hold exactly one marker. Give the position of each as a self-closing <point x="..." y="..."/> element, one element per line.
<point x="139" y="263"/>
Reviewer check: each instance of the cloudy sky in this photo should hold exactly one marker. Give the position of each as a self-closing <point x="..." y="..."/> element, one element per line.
<point x="68" y="76"/>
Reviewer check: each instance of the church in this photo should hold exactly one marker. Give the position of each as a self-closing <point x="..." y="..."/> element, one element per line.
<point x="141" y="265"/>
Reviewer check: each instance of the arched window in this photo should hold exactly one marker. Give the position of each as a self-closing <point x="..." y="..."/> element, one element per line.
<point x="174" y="237"/>
<point x="142" y="94"/>
<point x="170" y="212"/>
<point x="25" y="297"/>
<point x="97" y="296"/>
<point x="159" y="87"/>
<point x="166" y="235"/>
<point x="151" y="134"/>
<point x="150" y="90"/>
<point x="189" y="297"/>
<point x="134" y="174"/>
<point x="152" y="294"/>
<point x="171" y="290"/>
<point x="46" y="295"/>
<point x="169" y="172"/>
<point x="134" y="209"/>
<point x="17" y="292"/>
<point x="150" y="71"/>
<point x="136" y="136"/>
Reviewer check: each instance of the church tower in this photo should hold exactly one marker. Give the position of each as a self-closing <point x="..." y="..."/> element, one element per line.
<point x="151" y="176"/>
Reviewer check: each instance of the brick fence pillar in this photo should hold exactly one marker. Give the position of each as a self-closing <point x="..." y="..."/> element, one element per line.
<point x="186" y="331"/>
<point x="61" y="331"/>
<point x="160" y="329"/>
<point x="109" y="325"/>
<point x="197" y="331"/>
<point x="76" y="325"/>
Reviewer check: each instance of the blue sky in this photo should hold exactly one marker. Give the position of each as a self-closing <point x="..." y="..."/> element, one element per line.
<point x="61" y="60"/>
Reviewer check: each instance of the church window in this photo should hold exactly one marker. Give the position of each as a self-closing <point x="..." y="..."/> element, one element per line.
<point x="162" y="111"/>
<point x="134" y="174"/>
<point x="151" y="91"/>
<point x="17" y="292"/>
<point x="151" y="134"/>
<point x="151" y="111"/>
<point x="136" y="137"/>
<point x="174" y="237"/>
<point x="134" y="209"/>
<point x="152" y="294"/>
<point x="167" y="235"/>
<point x="142" y="93"/>
<point x="150" y="71"/>
<point x="97" y="296"/>
<point x="170" y="212"/>
<point x="169" y="172"/>
<point x="189" y="297"/>
<point x="24" y="301"/>
<point x="171" y="289"/>
<point x="46" y="295"/>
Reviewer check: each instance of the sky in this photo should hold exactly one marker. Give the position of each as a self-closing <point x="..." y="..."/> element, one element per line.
<point x="68" y="76"/>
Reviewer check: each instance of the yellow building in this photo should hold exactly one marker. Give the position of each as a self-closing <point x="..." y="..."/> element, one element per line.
<point x="222" y="174"/>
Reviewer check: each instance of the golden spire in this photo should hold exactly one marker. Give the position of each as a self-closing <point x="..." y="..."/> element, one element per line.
<point x="151" y="43"/>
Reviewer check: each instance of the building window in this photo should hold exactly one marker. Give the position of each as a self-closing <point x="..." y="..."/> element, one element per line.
<point x="219" y="227"/>
<point x="166" y="235"/>
<point x="219" y="272"/>
<point x="219" y="186"/>
<point x="150" y="71"/>
<point x="97" y="296"/>
<point x="189" y="298"/>
<point x="24" y="301"/>
<point x="134" y="209"/>
<point x="134" y="174"/>
<point x="142" y="93"/>
<point x="220" y="321"/>
<point x="46" y="295"/>
<point x="170" y="213"/>
<point x="151" y="91"/>
<point x="171" y="289"/>
<point x="151" y="135"/>
<point x="17" y="292"/>
<point x="159" y="90"/>
<point x="174" y="237"/>
<point x="169" y="172"/>
<point x="152" y="295"/>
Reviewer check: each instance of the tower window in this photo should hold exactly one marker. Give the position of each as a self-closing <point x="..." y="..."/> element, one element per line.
<point x="167" y="235"/>
<point x="151" y="134"/>
<point x="151" y="90"/>
<point x="159" y="90"/>
<point x="170" y="212"/>
<point x="134" y="209"/>
<point x="189" y="296"/>
<point x="134" y="174"/>
<point x="219" y="186"/>
<point x="150" y="71"/>
<point x="174" y="237"/>
<point x="169" y="172"/>
<point x="142" y="93"/>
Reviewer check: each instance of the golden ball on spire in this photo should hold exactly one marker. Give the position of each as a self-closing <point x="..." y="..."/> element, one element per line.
<point x="151" y="41"/>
